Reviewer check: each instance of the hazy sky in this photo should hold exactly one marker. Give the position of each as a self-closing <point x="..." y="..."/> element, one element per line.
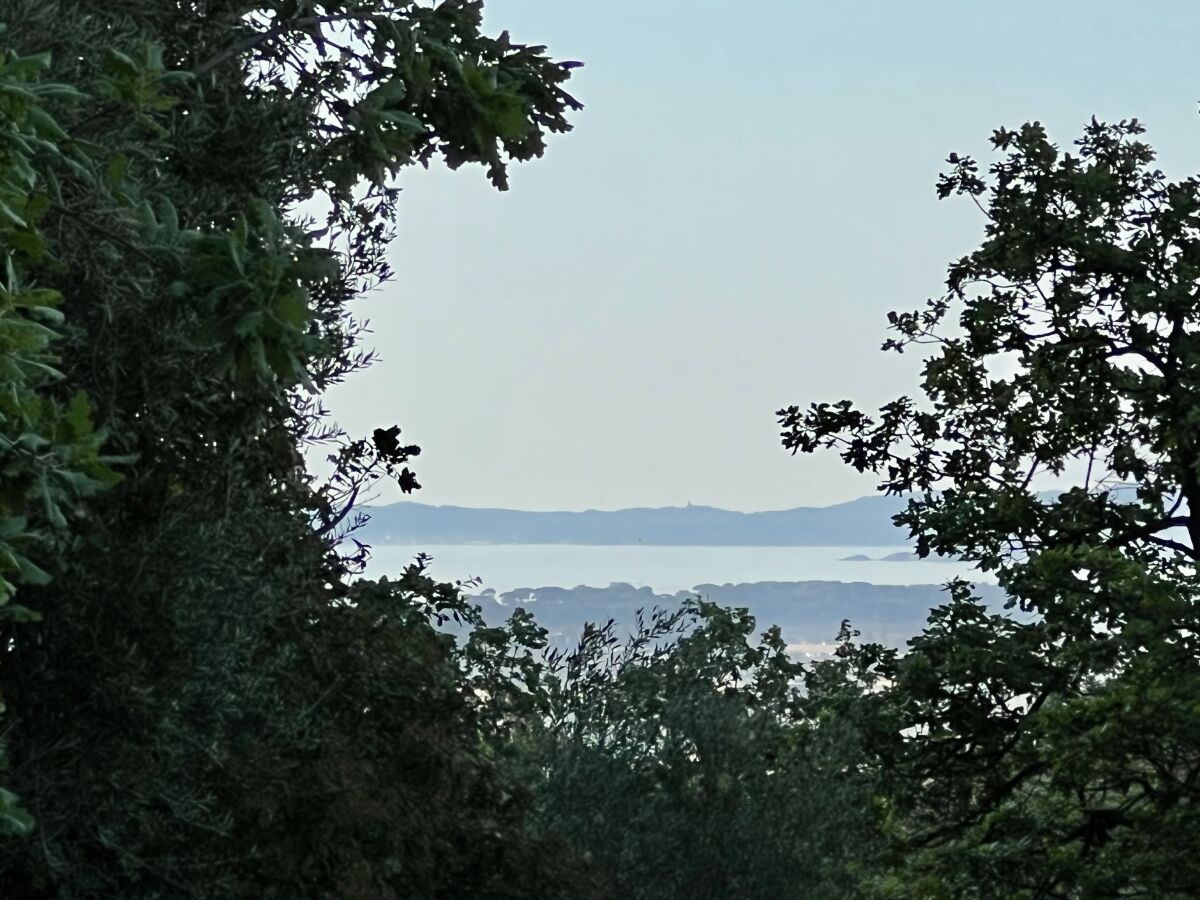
<point x="748" y="192"/>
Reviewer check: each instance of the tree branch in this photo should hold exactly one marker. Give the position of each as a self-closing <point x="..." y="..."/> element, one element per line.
<point x="1175" y="545"/>
<point x="1147" y="531"/>
<point x="302" y="24"/>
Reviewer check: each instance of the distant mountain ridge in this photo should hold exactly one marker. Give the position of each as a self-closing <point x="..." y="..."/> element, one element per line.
<point x="862" y="522"/>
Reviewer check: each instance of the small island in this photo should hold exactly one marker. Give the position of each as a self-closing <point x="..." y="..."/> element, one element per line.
<point x="901" y="556"/>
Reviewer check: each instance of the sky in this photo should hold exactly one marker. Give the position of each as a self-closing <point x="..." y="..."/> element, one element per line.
<point x="748" y="192"/>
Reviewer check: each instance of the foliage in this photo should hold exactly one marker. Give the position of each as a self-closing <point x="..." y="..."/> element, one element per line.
<point x="51" y="452"/>
<point x="682" y="763"/>
<point x="211" y="706"/>
<point x="1051" y="751"/>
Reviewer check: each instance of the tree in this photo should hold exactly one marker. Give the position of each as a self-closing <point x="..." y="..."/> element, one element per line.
<point x="682" y="763"/>
<point x="210" y="706"/>
<point x="1052" y="750"/>
<point x="51" y="450"/>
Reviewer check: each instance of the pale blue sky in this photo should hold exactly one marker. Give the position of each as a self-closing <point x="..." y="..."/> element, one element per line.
<point x="748" y="192"/>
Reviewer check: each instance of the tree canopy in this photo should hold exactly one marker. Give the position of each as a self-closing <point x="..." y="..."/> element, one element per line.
<point x="207" y="706"/>
<point x="1053" y="750"/>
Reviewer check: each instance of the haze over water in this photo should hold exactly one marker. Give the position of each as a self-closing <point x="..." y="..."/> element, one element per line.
<point x="506" y="567"/>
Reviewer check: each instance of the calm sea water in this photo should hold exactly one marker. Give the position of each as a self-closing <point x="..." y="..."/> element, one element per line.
<point x="507" y="567"/>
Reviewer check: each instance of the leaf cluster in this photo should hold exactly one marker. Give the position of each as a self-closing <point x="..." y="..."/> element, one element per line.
<point x="1050" y="750"/>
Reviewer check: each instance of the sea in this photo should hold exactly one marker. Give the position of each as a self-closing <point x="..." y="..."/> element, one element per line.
<point x="507" y="567"/>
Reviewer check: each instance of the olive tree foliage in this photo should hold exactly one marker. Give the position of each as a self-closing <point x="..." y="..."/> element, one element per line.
<point x="52" y="458"/>
<point x="683" y="761"/>
<point x="209" y="706"/>
<point x="1051" y="750"/>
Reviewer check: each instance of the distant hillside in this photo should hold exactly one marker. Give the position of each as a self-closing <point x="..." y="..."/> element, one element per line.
<point x="808" y="612"/>
<point x="862" y="522"/>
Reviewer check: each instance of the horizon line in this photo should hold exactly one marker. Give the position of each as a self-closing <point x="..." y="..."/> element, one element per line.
<point x="689" y="505"/>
